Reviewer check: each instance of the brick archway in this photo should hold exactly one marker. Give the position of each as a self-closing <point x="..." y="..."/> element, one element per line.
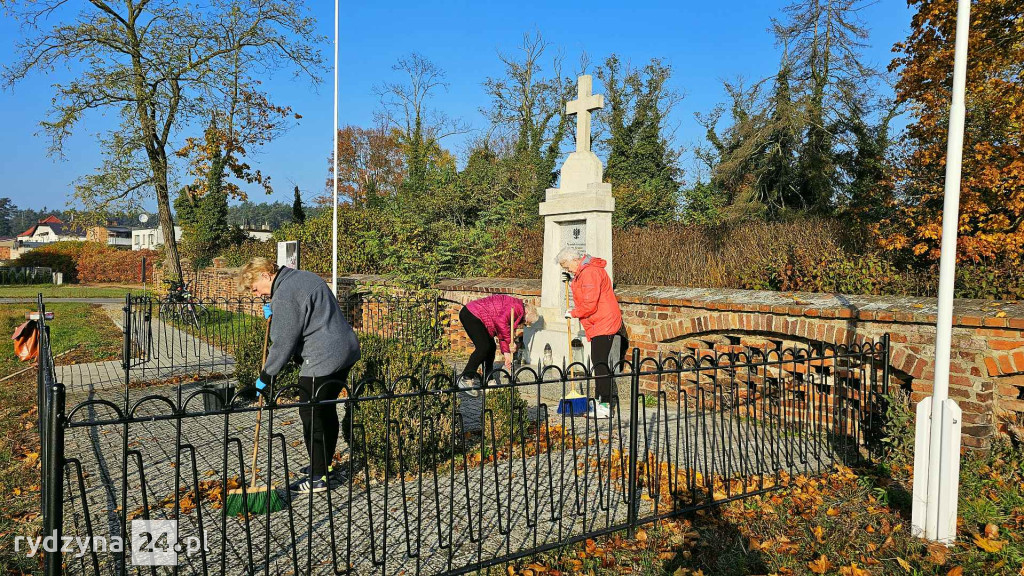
<point x="905" y="363"/>
<point x="803" y="328"/>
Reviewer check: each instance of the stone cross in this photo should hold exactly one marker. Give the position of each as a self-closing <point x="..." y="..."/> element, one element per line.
<point x="585" y="102"/>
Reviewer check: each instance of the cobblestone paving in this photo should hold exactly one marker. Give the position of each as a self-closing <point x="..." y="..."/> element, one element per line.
<point x="451" y="518"/>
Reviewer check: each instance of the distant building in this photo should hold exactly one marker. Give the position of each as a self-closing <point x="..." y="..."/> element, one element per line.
<point x="151" y="238"/>
<point x="46" y="231"/>
<point x="117" y="236"/>
<point x="260" y="234"/>
<point x="50" y="229"/>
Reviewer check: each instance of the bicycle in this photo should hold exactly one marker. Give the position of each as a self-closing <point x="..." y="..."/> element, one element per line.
<point x="181" y="305"/>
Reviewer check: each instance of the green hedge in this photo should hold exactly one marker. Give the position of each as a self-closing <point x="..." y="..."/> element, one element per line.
<point x="422" y="424"/>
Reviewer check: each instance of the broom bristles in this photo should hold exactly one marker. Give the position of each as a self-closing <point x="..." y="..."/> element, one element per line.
<point x="260" y="499"/>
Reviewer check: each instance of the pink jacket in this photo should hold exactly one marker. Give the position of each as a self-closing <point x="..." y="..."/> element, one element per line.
<point x="496" y="312"/>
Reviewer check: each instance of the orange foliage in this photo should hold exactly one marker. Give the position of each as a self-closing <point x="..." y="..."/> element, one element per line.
<point x="991" y="224"/>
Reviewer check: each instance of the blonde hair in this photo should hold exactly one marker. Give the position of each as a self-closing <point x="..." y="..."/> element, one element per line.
<point x="251" y="271"/>
<point x="531" y="314"/>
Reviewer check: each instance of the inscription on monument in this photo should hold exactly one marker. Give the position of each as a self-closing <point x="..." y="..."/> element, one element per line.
<point x="574" y="235"/>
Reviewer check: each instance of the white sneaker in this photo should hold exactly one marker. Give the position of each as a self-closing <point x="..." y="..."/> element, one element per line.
<point x="600" y="411"/>
<point x="465" y="382"/>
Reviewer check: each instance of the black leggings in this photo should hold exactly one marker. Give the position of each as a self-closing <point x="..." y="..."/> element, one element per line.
<point x="484" y="348"/>
<point x="320" y="423"/>
<point x="607" y="354"/>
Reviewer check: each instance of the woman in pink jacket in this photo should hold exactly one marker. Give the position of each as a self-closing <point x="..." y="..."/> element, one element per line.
<point x="498" y="316"/>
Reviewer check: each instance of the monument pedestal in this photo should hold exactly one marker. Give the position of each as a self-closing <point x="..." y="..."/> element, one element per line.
<point x="581" y="220"/>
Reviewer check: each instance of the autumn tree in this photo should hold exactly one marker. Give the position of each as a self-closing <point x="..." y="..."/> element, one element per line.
<point x="991" y="222"/>
<point x="371" y="166"/>
<point x="157" y="65"/>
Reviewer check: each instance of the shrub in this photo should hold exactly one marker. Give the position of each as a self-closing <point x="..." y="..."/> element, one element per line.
<point x="248" y="355"/>
<point x="421" y="426"/>
<point x="91" y="262"/>
<point x="112" y="265"/>
<point x="240" y="254"/>
<point x="379" y="241"/>
<point x="60" y="256"/>
<point x="506" y="421"/>
<point x="518" y="253"/>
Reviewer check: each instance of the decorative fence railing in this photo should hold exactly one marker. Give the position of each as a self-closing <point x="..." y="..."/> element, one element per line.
<point x="432" y="479"/>
<point x="25" y="275"/>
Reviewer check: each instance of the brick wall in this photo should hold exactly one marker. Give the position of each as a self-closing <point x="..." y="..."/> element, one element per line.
<point x="987" y="369"/>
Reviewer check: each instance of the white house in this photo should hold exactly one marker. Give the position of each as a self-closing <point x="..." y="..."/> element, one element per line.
<point x="259" y="234"/>
<point x="151" y="238"/>
<point x="48" y="230"/>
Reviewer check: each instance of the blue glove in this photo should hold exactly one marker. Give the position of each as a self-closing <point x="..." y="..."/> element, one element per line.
<point x="266" y="311"/>
<point x="260" y="385"/>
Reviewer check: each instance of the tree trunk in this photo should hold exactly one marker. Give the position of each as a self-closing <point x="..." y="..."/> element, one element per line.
<point x="172" y="263"/>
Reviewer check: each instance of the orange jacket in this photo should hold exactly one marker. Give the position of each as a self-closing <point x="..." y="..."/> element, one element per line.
<point x="596" y="306"/>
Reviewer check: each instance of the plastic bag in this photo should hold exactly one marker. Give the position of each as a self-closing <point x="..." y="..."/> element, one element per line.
<point x="26" y="341"/>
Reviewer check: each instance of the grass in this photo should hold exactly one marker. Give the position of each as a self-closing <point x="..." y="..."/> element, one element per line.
<point x="851" y="523"/>
<point x="19" y="471"/>
<point x="89" y="332"/>
<point x="69" y="291"/>
<point x="85" y="328"/>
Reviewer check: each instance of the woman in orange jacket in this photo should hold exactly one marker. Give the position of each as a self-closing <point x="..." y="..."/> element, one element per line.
<point x="599" y="314"/>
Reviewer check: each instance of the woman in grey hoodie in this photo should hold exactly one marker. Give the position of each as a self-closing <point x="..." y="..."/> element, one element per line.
<point x="309" y="326"/>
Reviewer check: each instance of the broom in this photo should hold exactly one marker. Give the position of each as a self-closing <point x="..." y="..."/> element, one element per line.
<point x="574" y="403"/>
<point x="255" y="499"/>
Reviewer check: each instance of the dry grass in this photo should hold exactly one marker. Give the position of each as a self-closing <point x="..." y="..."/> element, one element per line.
<point x="721" y="256"/>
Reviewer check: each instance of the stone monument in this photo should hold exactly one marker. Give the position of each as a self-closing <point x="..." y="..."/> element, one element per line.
<point x="577" y="213"/>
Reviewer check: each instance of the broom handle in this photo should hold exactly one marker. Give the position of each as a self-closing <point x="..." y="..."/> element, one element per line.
<point x="568" y="324"/>
<point x="512" y="331"/>
<point x="259" y="414"/>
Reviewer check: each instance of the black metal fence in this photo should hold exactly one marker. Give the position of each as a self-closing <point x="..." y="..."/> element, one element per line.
<point x="433" y="479"/>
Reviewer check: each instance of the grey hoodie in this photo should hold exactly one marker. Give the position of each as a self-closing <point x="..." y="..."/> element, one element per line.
<point x="308" y="323"/>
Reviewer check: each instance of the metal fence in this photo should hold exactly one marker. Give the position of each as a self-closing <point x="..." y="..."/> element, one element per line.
<point x="440" y="480"/>
<point x="25" y="275"/>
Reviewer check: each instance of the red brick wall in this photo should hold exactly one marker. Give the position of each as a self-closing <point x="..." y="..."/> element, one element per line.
<point x="987" y="368"/>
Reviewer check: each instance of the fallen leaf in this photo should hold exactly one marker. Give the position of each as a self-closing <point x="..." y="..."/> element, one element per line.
<point x="853" y="570"/>
<point x="937" y="553"/>
<point x="987" y="544"/>
<point x="904" y="564"/>
<point x="991" y="531"/>
<point x="820" y="566"/>
<point x="641" y="535"/>
<point x="956" y="571"/>
<point x="819" y="535"/>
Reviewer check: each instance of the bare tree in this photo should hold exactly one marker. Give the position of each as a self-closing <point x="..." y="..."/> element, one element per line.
<point x="155" y="63"/>
<point x="405" y="107"/>
<point x="528" y="108"/>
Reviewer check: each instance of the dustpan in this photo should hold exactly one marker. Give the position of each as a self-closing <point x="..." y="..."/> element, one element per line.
<point x="574" y="404"/>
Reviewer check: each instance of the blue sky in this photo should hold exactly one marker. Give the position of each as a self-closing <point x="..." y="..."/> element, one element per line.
<point x="704" y="42"/>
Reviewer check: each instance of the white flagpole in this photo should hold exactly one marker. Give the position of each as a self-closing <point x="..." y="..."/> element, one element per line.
<point x="937" y="454"/>
<point x="334" y="154"/>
